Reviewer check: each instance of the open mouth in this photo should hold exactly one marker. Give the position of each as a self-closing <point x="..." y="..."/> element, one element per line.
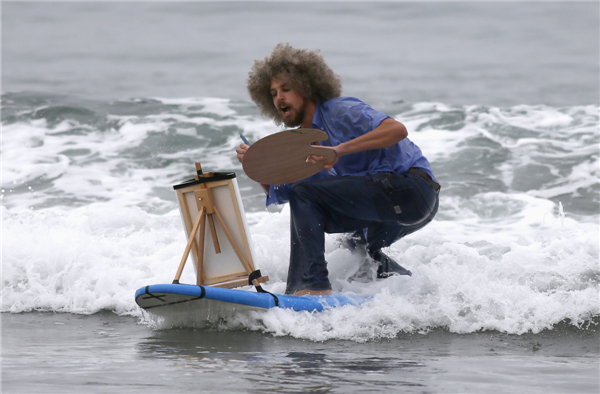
<point x="285" y="110"/>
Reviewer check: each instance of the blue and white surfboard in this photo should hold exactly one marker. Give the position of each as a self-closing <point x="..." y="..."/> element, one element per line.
<point x="180" y="297"/>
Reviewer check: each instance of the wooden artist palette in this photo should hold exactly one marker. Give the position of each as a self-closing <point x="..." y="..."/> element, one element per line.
<point x="281" y="157"/>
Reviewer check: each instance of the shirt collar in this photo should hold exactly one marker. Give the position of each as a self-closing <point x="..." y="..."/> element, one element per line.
<point x="317" y="122"/>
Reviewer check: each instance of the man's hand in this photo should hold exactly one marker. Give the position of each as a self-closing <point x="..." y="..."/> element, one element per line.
<point x="316" y="159"/>
<point x="241" y="151"/>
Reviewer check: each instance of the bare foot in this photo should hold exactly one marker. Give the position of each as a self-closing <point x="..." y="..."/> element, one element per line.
<point x="312" y="292"/>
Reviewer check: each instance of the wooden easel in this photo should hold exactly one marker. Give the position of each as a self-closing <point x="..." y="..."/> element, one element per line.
<point x="208" y="211"/>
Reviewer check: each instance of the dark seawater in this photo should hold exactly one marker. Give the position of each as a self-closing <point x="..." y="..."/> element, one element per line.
<point x="106" y="105"/>
<point x="497" y="53"/>
<point x="107" y="354"/>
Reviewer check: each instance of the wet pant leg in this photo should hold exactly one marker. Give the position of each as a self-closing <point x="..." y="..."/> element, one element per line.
<point x="351" y="204"/>
<point x="335" y="205"/>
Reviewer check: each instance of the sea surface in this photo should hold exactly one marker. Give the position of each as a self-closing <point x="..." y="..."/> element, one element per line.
<point x="107" y="105"/>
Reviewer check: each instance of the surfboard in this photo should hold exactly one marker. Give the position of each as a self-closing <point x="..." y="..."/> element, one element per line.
<point x="182" y="297"/>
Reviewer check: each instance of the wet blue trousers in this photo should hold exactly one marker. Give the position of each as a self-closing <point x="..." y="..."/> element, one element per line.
<point x="389" y="206"/>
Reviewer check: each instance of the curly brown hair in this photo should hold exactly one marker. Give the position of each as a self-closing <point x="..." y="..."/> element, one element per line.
<point x="305" y="70"/>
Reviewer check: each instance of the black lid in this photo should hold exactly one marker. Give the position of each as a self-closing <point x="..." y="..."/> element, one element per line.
<point x="217" y="176"/>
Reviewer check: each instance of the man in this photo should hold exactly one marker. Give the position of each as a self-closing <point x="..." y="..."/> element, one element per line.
<point x="380" y="186"/>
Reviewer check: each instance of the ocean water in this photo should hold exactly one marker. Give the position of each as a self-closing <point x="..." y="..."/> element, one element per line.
<point x="106" y="106"/>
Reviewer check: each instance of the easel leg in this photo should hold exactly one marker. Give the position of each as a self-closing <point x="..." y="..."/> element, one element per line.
<point x="189" y="245"/>
<point x="237" y="250"/>
<point x="200" y="260"/>
<point x="213" y="230"/>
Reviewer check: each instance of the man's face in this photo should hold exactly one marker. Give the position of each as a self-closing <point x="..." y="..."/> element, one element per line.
<point x="290" y="104"/>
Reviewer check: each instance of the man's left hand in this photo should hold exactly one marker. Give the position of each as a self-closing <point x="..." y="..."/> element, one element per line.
<point x="317" y="159"/>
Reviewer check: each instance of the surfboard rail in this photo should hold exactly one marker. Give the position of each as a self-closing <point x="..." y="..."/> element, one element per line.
<point x="163" y="296"/>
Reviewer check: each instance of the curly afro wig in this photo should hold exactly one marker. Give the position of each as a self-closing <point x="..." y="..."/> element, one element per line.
<point x="305" y="70"/>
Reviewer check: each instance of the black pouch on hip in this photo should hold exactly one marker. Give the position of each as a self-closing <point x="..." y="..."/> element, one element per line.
<point x="401" y="205"/>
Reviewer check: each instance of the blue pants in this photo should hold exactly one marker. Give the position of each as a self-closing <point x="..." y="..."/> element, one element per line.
<point x="389" y="206"/>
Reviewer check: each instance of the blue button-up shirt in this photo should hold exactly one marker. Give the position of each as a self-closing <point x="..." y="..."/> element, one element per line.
<point x="346" y="118"/>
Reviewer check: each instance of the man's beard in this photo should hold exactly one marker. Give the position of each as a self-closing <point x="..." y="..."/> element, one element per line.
<point x="294" y="121"/>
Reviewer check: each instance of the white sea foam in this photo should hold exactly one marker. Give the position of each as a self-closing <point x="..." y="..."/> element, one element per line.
<point x="24" y="156"/>
<point x="89" y="216"/>
<point x="78" y="162"/>
<point x="93" y="258"/>
<point x="216" y="106"/>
